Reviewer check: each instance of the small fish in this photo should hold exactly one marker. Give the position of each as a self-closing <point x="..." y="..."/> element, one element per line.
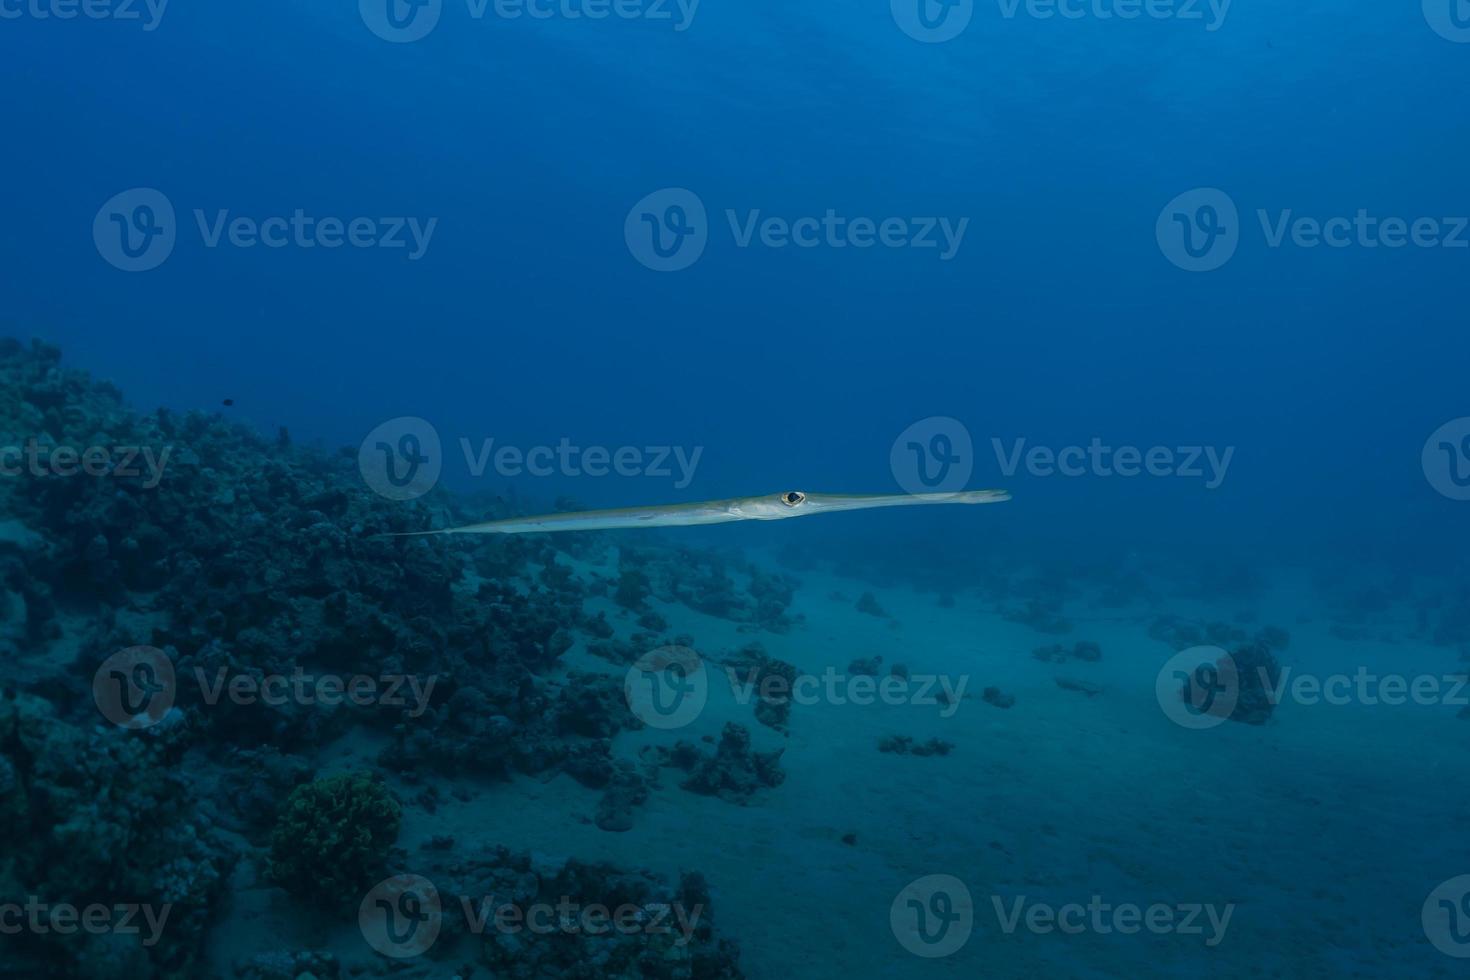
<point x="229" y="402"/>
<point x="770" y="507"/>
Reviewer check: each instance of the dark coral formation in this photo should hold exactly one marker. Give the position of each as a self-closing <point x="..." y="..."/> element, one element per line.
<point x="252" y="565"/>
<point x="770" y="680"/>
<point x="707" y="583"/>
<point x="1081" y="687"/>
<point x="994" y="696"/>
<point x="1257" y="673"/>
<point x="534" y="917"/>
<point x="106" y="819"/>
<point x="1041" y="615"/>
<point x="1057" y="653"/>
<point x="905" y="745"/>
<point x="1181" y="633"/>
<point x="734" y="771"/>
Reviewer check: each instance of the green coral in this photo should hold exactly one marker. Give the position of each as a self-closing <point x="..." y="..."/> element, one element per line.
<point x="332" y="838"/>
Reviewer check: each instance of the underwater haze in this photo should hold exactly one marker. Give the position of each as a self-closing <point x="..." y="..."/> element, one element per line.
<point x="290" y="287"/>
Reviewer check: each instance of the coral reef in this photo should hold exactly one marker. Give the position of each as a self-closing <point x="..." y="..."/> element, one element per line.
<point x="332" y="838"/>
<point x="905" y="745"/>
<point x="734" y="771"/>
<point x="770" y="679"/>
<point x="537" y="917"/>
<point x="253" y="564"/>
<point x="994" y="696"/>
<point x="1057" y="653"/>
<point x="107" y="820"/>
<point x="1041" y="615"/>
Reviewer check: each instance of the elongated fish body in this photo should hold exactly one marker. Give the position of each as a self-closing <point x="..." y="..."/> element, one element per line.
<point x="771" y="507"/>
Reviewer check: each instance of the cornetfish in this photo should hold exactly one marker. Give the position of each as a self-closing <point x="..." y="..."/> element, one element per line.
<point x="771" y="507"/>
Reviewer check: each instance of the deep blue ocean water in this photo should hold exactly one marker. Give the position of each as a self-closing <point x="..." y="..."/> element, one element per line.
<point x="1130" y="268"/>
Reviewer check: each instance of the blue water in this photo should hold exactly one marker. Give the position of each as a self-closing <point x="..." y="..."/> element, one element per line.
<point x="1059" y="318"/>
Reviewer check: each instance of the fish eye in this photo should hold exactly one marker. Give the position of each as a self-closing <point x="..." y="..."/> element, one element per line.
<point x="792" y="497"/>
